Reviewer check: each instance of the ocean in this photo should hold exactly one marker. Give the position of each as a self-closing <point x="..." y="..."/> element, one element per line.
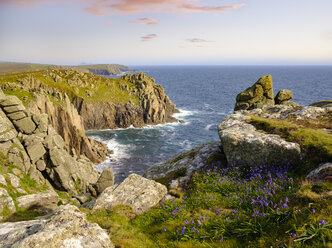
<point x="204" y="95"/>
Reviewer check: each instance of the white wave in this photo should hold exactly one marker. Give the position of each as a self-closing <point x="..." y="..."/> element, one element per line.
<point x="120" y="150"/>
<point x="207" y="128"/>
<point x="184" y="113"/>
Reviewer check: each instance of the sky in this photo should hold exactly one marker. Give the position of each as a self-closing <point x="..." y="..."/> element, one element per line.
<point x="167" y="32"/>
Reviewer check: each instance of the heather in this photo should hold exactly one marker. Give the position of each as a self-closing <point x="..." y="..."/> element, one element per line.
<point x="230" y="206"/>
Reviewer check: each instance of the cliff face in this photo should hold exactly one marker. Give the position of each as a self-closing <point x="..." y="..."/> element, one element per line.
<point x="69" y="124"/>
<point x="153" y="106"/>
<point x="75" y="101"/>
<point x="30" y="143"/>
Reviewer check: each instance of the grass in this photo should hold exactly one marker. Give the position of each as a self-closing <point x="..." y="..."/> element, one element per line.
<point x="108" y="69"/>
<point x="229" y="206"/>
<point x="313" y="136"/>
<point x="90" y="87"/>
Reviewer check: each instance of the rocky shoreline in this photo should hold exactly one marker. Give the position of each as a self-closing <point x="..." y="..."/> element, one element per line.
<point x="263" y="131"/>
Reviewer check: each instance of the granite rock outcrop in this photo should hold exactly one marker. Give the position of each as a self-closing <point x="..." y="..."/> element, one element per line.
<point x="256" y="96"/>
<point x="66" y="228"/>
<point x="138" y="192"/>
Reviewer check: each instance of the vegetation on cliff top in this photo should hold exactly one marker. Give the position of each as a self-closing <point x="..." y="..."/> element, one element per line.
<point x="102" y="69"/>
<point x="90" y="87"/>
<point x="313" y="135"/>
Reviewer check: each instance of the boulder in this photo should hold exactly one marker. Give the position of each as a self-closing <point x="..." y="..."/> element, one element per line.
<point x="25" y="125"/>
<point x="44" y="202"/>
<point x="7" y="130"/>
<point x="17" y="115"/>
<point x="3" y="180"/>
<point x="54" y="141"/>
<point x="42" y="122"/>
<point x="36" y="151"/>
<point x="40" y="165"/>
<point x="256" y="96"/>
<point x="6" y="202"/>
<point x="322" y="174"/>
<point x="105" y="180"/>
<point x="241" y="142"/>
<point x="7" y="101"/>
<point x="138" y="192"/>
<point x="14" y="180"/>
<point x="83" y="198"/>
<point x="68" y="174"/>
<point x="177" y="171"/>
<point x="66" y="228"/>
<point x="13" y="109"/>
<point x="283" y="95"/>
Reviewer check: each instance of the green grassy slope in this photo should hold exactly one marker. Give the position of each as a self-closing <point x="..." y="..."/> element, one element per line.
<point x="103" y="69"/>
<point x="90" y="87"/>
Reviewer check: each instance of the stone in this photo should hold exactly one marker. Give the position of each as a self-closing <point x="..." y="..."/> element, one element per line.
<point x="66" y="228"/>
<point x="105" y="180"/>
<point x="44" y="202"/>
<point x="183" y="165"/>
<point x="68" y="174"/>
<point x="256" y="96"/>
<point x="322" y="174"/>
<point x="3" y="180"/>
<point x="309" y="112"/>
<point x="9" y="101"/>
<point x="54" y="141"/>
<point x="6" y="202"/>
<point x="242" y="143"/>
<point x="40" y="165"/>
<point x="321" y="104"/>
<point x="17" y="115"/>
<point x="7" y="130"/>
<point x="14" y="180"/>
<point x="138" y="192"/>
<point x="13" y="109"/>
<point x="25" y="125"/>
<point x="283" y="95"/>
<point x="290" y="104"/>
<point x="42" y="122"/>
<point x="36" y="151"/>
<point x="37" y="176"/>
<point x="83" y="198"/>
<point x="21" y="191"/>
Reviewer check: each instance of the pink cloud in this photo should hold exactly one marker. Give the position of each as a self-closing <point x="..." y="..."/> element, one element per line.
<point x="198" y="40"/>
<point x="329" y="35"/>
<point x="200" y="8"/>
<point x="146" y="20"/>
<point x="101" y="7"/>
<point x="148" y="37"/>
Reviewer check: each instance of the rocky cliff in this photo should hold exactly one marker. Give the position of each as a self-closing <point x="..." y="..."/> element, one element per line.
<point x="30" y="143"/>
<point x="75" y="101"/>
<point x="148" y="104"/>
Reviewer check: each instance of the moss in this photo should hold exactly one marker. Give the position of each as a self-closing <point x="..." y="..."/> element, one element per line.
<point x="22" y="215"/>
<point x="25" y="96"/>
<point x="315" y="142"/>
<point x="63" y="195"/>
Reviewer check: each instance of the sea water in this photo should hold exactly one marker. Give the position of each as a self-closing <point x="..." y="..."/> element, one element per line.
<point x="204" y="95"/>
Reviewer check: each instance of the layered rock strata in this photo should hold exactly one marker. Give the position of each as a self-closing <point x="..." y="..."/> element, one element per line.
<point x="28" y="141"/>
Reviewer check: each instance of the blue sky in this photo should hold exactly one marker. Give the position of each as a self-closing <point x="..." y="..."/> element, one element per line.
<point x="167" y="32"/>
